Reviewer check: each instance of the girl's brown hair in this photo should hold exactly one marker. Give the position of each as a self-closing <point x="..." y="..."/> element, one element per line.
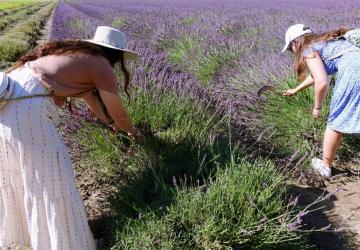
<point x="72" y="47"/>
<point x="305" y="41"/>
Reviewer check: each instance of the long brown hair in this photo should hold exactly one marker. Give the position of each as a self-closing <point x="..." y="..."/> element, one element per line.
<point x="305" y="41"/>
<point x="72" y="47"/>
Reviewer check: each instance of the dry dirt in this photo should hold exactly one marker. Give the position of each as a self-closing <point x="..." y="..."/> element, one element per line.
<point x="46" y="30"/>
<point x="341" y="210"/>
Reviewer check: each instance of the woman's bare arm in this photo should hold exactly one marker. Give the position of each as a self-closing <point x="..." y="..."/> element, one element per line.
<point x="117" y="111"/>
<point x="93" y="103"/>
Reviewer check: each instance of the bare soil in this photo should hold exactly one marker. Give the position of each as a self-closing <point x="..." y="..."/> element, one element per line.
<point x="341" y="211"/>
<point x="44" y="35"/>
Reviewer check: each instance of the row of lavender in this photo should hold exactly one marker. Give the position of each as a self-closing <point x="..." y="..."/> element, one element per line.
<point x="251" y="32"/>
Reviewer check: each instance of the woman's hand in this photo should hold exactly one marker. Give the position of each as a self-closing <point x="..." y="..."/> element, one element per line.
<point x="290" y="92"/>
<point x="316" y="113"/>
<point x="132" y="136"/>
<point x="135" y="135"/>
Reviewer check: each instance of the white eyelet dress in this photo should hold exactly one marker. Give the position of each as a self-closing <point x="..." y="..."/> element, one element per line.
<point x="40" y="205"/>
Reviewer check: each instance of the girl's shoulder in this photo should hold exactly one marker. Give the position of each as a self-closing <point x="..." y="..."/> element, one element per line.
<point x="314" y="47"/>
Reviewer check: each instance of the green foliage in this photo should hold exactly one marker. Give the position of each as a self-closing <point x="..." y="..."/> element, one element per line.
<point x="189" y="20"/>
<point x="118" y="22"/>
<point x="9" y="20"/>
<point x="22" y="36"/>
<point x="188" y="53"/>
<point x="288" y="121"/>
<point x="242" y="32"/>
<point x="227" y="30"/>
<point x="16" y="3"/>
<point x="206" y="66"/>
<point x="104" y="149"/>
<point x="77" y="24"/>
<point x="288" y="124"/>
<point x="183" y="186"/>
<point x="11" y="49"/>
<point x="241" y="207"/>
<point x="175" y="134"/>
<point x="183" y="51"/>
<point x="184" y="118"/>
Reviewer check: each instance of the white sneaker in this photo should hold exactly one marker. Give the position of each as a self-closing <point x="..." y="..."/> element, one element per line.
<point x="319" y="166"/>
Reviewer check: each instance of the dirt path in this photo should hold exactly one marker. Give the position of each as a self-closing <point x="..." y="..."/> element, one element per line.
<point x="46" y="29"/>
<point x="341" y="211"/>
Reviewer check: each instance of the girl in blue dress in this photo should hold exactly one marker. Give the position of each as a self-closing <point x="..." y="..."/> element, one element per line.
<point x="313" y="53"/>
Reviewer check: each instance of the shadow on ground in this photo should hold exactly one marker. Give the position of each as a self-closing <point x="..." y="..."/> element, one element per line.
<point x="336" y="237"/>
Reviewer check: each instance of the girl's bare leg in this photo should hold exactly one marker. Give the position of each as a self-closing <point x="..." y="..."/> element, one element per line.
<point x="332" y="140"/>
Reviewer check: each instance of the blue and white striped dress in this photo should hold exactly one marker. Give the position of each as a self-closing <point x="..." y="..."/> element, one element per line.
<point x="345" y="101"/>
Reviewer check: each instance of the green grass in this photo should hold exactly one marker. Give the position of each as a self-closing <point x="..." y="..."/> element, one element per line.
<point x="206" y="66"/>
<point x="118" y="22"/>
<point x="15" y="3"/>
<point x="189" y="20"/>
<point x="179" y="141"/>
<point x="77" y="24"/>
<point x="22" y="37"/>
<point x="8" y="21"/>
<point x="184" y="186"/>
<point x="287" y="123"/>
<point x="241" y="207"/>
<point x="183" y="51"/>
<point x="242" y="32"/>
<point x="11" y="11"/>
<point x="176" y="133"/>
<point x="290" y="119"/>
<point x="187" y="52"/>
<point x="12" y="48"/>
<point x="227" y="30"/>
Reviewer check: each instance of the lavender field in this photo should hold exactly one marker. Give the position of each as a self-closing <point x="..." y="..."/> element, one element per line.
<point x="216" y="52"/>
<point x="212" y="139"/>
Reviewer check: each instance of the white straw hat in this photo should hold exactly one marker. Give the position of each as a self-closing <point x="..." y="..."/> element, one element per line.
<point x="294" y="32"/>
<point x="114" y="39"/>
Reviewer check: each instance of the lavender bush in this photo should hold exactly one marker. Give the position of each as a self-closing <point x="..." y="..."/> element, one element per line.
<point x="219" y="52"/>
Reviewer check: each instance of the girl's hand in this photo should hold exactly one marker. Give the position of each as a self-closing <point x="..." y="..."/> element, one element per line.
<point x="289" y="92"/>
<point x="316" y="113"/>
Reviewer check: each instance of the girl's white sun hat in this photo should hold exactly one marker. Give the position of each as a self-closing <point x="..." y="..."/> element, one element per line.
<point x="294" y="32"/>
<point x="114" y="39"/>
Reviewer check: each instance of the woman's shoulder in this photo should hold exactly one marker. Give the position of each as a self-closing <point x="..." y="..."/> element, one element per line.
<point x="99" y="60"/>
<point x="64" y="59"/>
<point x="91" y="62"/>
<point x="76" y="57"/>
<point x="102" y="72"/>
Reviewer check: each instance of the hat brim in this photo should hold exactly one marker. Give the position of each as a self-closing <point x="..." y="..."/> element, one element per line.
<point x="285" y="47"/>
<point x="128" y="54"/>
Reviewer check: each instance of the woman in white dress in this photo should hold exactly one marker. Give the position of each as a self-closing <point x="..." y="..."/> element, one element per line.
<point x="40" y="205"/>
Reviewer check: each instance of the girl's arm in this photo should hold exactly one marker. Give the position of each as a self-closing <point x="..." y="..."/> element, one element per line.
<point x="318" y="72"/>
<point x="306" y="83"/>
